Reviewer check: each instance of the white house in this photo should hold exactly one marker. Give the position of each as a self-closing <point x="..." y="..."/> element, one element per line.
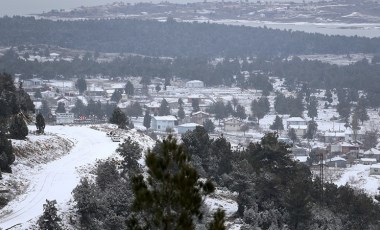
<point x="195" y="84"/>
<point x="232" y="125"/>
<point x="199" y="117"/>
<point x="368" y="161"/>
<point x="186" y="127"/>
<point x="372" y="153"/>
<point x="295" y="121"/>
<point x="162" y="123"/>
<point x="65" y="118"/>
<point x="299" y="129"/>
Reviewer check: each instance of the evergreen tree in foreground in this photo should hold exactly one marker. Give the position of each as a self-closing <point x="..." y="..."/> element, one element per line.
<point x="147" y="119"/>
<point x="49" y="219"/>
<point x="6" y="153"/>
<point x="172" y="195"/>
<point x="18" y="128"/>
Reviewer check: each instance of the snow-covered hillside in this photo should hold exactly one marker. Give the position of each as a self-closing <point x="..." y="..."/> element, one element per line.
<point x="56" y="180"/>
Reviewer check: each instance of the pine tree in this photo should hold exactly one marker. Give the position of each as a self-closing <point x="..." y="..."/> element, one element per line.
<point x="131" y="153"/>
<point x="40" y="123"/>
<point x="81" y="85"/>
<point x="45" y="109"/>
<point x="147" y="119"/>
<point x="79" y="108"/>
<point x="116" y="96"/>
<point x="6" y="153"/>
<point x="171" y="196"/>
<point x="209" y="125"/>
<point x="49" y="219"/>
<point x="38" y="94"/>
<point x="355" y="126"/>
<point x="218" y="221"/>
<point x="292" y="135"/>
<point x="18" y="129"/>
<point x="312" y="129"/>
<point x="129" y="88"/>
<point x="312" y="110"/>
<point x="260" y="108"/>
<point x="180" y="102"/>
<point x="277" y="124"/>
<point x="164" y="108"/>
<point x="195" y="105"/>
<point x="361" y="110"/>
<point x="60" y="108"/>
<point x="119" y="118"/>
<point x="181" y="113"/>
<point x="240" y="112"/>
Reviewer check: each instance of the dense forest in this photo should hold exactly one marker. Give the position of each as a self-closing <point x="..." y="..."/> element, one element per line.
<point x="175" y="39"/>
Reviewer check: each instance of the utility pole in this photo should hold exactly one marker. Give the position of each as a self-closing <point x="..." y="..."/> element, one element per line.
<point x="321" y="173"/>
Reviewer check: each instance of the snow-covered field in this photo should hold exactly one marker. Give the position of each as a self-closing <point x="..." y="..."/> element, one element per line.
<point x="358" y="177"/>
<point x="56" y="180"/>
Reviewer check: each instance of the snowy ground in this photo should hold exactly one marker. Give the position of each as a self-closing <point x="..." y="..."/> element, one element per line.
<point x="57" y="179"/>
<point x="358" y="177"/>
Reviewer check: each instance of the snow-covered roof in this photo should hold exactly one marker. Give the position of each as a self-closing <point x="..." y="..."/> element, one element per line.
<point x="195" y="81"/>
<point x="189" y="125"/>
<point x="375" y="166"/>
<point x="153" y="104"/>
<point x="334" y="134"/>
<point x="337" y="159"/>
<point x="301" y="158"/>
<point x="368" y="159"/>
<point x="372" y="151"/>
<point x="298" y="126"/>
<point x="295" y="119"/>
<point x="165" y="118"/>
<point x="200" y="112"/>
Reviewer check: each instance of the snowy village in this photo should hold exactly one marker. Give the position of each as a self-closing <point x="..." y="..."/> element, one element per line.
<point x="147" y="116"/>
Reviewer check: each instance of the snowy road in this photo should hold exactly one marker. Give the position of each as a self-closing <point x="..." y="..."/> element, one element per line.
<point x="57" y="179"/>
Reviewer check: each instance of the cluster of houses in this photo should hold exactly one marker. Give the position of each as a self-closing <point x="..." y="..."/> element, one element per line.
<point x="342" y="147"/>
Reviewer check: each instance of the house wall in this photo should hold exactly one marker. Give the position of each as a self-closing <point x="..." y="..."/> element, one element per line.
<point x="161" y="125"/>
<point x="374" y="171"/>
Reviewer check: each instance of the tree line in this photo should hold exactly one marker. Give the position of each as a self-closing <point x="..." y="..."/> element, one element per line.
<point x="174" y="39"/>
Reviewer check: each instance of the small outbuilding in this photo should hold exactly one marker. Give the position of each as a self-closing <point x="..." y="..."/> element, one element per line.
<point x="337" y="162"/>
<point x="163" y="123"/>
<point x="374" y="169"/>
<point x="195" y="84"/>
